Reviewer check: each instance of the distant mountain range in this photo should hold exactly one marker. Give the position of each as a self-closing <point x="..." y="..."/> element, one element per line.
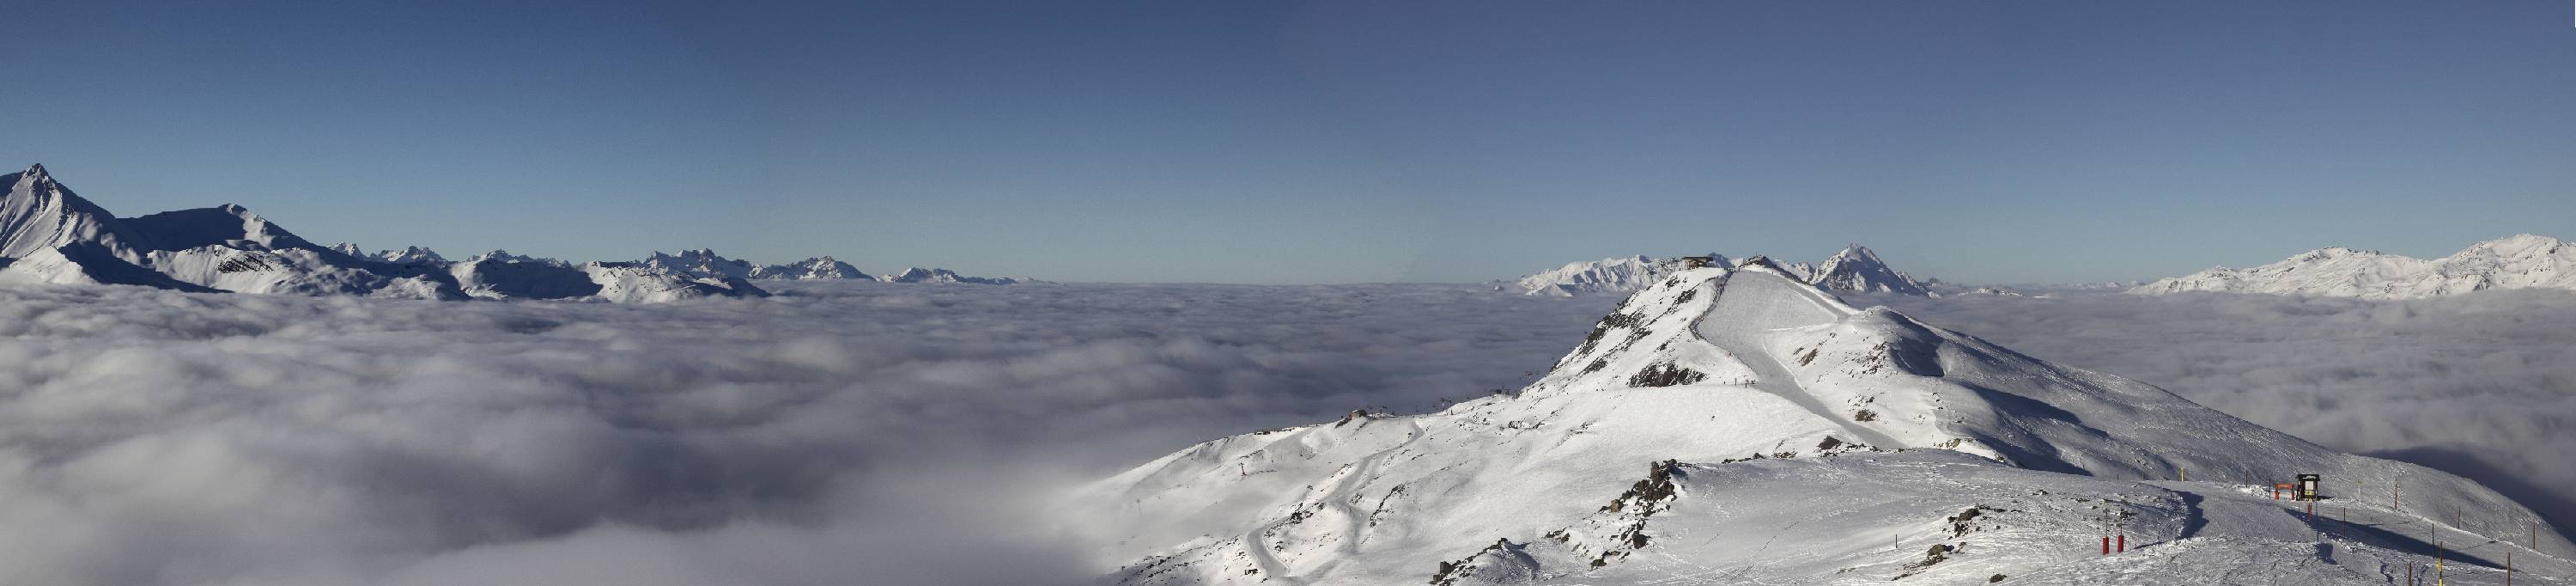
<point x="48" y="234"/>
<point x="2517" y="262"/>
<point x="1854" y="270"/>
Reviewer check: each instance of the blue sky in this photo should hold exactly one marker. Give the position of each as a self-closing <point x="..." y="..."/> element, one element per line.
<point x="1276" y="142"/>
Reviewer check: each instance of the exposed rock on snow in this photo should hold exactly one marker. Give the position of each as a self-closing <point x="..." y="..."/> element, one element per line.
<point x="2517" y="262"/>
<point x="1821" y="444"/>
<point x="701" y="262"/>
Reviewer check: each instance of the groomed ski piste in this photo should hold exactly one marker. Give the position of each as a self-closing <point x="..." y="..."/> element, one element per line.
<point x="1738" y="426"/>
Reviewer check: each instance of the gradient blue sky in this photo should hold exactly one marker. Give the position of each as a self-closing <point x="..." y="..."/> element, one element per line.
<point x="1322" y="142"/>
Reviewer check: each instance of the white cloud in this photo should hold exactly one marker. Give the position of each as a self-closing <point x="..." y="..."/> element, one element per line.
<point x="870" y="433"/>
<point x="839" y="433"/>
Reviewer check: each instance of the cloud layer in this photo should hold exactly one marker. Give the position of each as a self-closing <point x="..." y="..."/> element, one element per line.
<point x="836" y="434"/>
<point x="2481" y="385"/>
<point x="899" y="434"/>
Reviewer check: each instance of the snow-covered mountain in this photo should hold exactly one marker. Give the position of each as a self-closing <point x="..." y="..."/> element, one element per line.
<point x="922" y="275"/>
<point x="817" y="268"/>
<point x="701" y="263"/>
<point x="1609" y="275"/>
<point x="50" y="235"/>
<point x="2517" y="262"/>
<point x="1855" y="269"/>
<point x="1742" y="426"/>
<point x="408" y="255"/>
<point x="1858" y="270"/>
<point x="707" y="264"/>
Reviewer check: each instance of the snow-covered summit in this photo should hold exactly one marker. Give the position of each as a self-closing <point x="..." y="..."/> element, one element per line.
<point x="499" y="255"/>
<point x="411" y="255"/>
<point x="1609" y="275"/>
<point x="817" y="268"/>
<point x="1855" y="269"/>
<point x="700" y="262"/>
<point x="922" y="275"/>
<point x="1739" y="425"/>
<point x="39" y="213"/>
<point x="2524" y="261"/>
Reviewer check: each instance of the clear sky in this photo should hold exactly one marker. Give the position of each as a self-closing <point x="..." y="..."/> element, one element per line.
<point x="1280" y="142"/>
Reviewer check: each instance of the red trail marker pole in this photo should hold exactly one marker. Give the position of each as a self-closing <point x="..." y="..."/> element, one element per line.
<point x="2124" y="544"/>
<point x="2106" y="546"/>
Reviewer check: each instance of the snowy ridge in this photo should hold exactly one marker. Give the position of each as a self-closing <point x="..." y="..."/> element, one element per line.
<point x="821" y="267"/>
<point x="2517" y="262"/>
<point x="1609" y="275"/>
<point x="1741" y="426"/>
<point x="50" y="235"/>
<point x="410" y="255"/>
<point x="1855" y="269"/>
<point x="922" y="275"/>
<point x="699" y="263"/>
<point x="40" y="214"/>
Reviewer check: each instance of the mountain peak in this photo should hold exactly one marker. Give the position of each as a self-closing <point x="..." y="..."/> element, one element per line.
<point x="36" y="172"/>
<point x="1855" y="251"/>
<point x="2521" y="261"/>
<point x="1858" y="269"/>
<point x="1716" y="378"/>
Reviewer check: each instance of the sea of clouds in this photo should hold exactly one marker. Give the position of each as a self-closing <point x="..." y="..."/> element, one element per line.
<point x="839" y="433"/>
<point x="2481" y="385"/>
<point x="870" y="433"/>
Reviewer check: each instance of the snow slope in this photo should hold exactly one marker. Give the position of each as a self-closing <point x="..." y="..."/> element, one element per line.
<point x="1740" y="426"/>
<point x="1855" y="269"/>
<point x="2517" y="262"/>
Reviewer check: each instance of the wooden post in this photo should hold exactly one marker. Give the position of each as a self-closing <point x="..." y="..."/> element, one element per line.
<point x="2508" y="568"/>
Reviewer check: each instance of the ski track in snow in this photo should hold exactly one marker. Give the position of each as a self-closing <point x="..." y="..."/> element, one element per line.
<point x="1769" y="375"/>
